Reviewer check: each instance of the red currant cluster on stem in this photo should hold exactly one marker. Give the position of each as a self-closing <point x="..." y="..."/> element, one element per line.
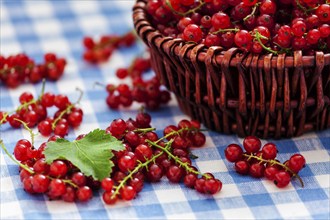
<point x="33" y="112"/>
<point x="100" y="51"/>
<point x="58" y="180"/>
<point x="267" y="26"/>
<point x="148" y="158"/>
<point x="261" y="162"/>
<point x="17" y="69"/>
<point x="147" y="92"/>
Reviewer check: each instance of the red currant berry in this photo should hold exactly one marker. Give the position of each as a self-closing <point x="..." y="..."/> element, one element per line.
<point x="84" y="193"/>
<point x="107" y="184"/>
<point x="109" y="197"/>
<point x="127" y="193"/>
<point x="257" y="170"/>
<point x="282" y="179"/>
<point x="233" y="153"/>
<point x="242" y="167"/>
<point x="212" y="186"/>
<point x="192" y="33"/>
<point x="58" y="169"/>
<point x="269" y="151"/>
<point x="56" y="188"/>
<point x="69" y="195"/>
<point x="296" y="162"/>
<point x="40" y="183"/>
<point x="251" y="144"/>
<point x="79" y="179"/>
<point x="270" y="172"/>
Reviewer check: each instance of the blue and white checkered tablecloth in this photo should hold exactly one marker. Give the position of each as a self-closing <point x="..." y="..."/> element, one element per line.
<point x="36" y="27"/>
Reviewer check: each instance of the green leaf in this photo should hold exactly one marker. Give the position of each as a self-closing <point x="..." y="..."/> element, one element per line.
<point x="90" y="154"/>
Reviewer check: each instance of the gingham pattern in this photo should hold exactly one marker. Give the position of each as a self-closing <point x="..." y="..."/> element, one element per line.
<point x="36" y="27"/>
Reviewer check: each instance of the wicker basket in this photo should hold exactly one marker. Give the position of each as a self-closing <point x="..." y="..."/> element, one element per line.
<point x="233" y="92"/>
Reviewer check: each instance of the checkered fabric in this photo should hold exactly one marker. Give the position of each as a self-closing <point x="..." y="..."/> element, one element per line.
<point x="36" y="27"/>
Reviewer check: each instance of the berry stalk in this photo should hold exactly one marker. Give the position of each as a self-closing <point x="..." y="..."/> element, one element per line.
<point x="273" y="162"/>
<point x="177" y="160"/>
<point x="25" y="167"/>
<point x="68" y="109"/>
<point x="201" y="4"/>
<point x="136" y="169"/>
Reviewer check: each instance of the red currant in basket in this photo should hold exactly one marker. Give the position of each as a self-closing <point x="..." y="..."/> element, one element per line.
<point x="220" y="20"/>
<point x="243" y="40"/>
<point x="323" y="12"/>
<point x="192" y="33"/>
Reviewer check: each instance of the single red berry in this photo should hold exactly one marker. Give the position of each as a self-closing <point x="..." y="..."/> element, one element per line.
<point x="220" y="20"/>
<point x="40" y="183"/>
<point x="155" y="173"/>
<point x="61" y="101"/>
<point x="251" y="144"/>
<point x="174" y="173"/>
<point x="270" y="172"/>
<point x="69" y="195"/>
<point x="296" y="162"/>
<point x="137" y="184"/>
<point x="127" y="193"/>
<point x="25" y="97"/>
<point x="243" y="40"/>
<point x="56" y="188"/>
<point x="269" y="151"/>
<point x="257" y="170"/>
<point x="143" y="152"/>
<point x="282" y="179"/>
<point x="192" y="33"/>
<point x="200" y="185"/>
<point x="84" y="193"/>
<point x="109" y="197"/>
<point x="40" y="166"/>
<point x="233" y="153"/>
<point x="323" y="12"/>
<point x="79" y="179"/>
<point x="58" y="169"/>
<point x="212" y="186"/>
<point x="45" y="128"/>
<point x="242" y="167"/>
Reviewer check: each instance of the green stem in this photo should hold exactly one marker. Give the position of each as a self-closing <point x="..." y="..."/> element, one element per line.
<point x="4" y="118"/>
<point x="225" y="30"/>
<point x="273" y="162"/>
<point x="25" y="167"/>
<point x="258" y="36"/>
<point x="68" y="181"/>
<point x="177" y="160"/>
<point x="201" y="4"/>
<point x="304" y="9"/>
<point x="32" y="135"/>
<point x="136" y="169"/>
<point x="42" y="89"/>
<point x="65" y="111"/>
<point x="252" y="12"/>
<point x="68" y="109"/>
<point x="144" y="130"/>
<point x="178" y="132"/>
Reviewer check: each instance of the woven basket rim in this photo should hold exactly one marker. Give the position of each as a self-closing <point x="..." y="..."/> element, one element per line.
<point x="150" y="34"/>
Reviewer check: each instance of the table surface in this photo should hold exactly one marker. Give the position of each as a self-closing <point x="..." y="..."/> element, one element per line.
<point x="36" y="27"/>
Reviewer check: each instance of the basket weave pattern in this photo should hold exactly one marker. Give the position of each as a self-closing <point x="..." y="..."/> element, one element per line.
<point x="270" y="96"/>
